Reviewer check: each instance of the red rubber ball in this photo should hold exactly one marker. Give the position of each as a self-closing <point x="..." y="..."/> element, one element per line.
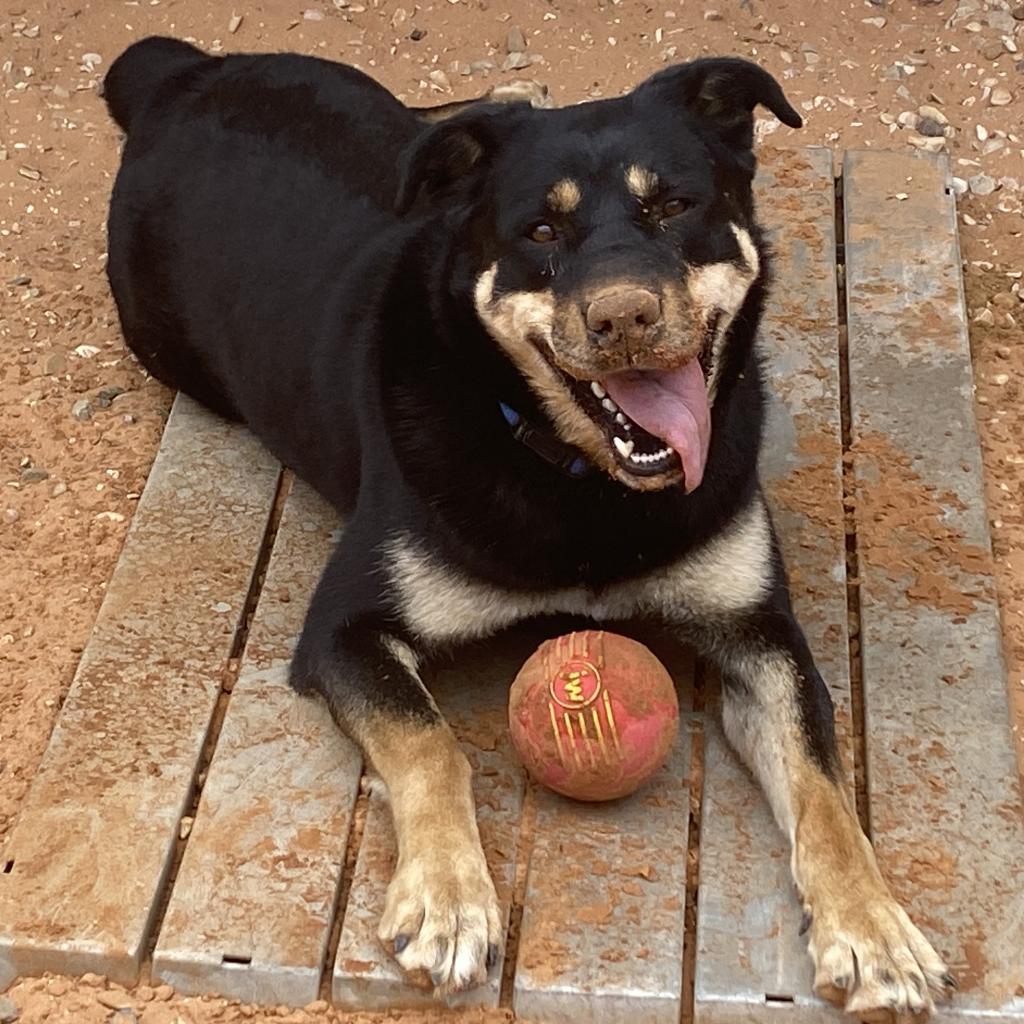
<point x="593" y="715"/>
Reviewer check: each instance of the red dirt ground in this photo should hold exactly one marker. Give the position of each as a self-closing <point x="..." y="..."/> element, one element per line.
<point x="70" y="483"/>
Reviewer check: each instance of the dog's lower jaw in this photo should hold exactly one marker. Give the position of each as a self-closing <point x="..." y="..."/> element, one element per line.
<point x="868" y="955"/>
<point x="441" y="916"/>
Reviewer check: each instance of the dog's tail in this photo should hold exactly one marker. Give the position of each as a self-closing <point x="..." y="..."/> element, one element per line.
<point x="135" y="77"/>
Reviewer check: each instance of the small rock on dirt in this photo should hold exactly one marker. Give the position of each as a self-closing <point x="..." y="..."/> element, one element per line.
<point x="417" y="34"/>
<point x="82" y="410"/>
<point x="162" y="993"/>
<point x="516" y="62"/>
<point x="931" y="128"/>
<point x="105" y="396"/>
<point x="34" y="475"/>
<point x="1000" y="97"/>
<point x="114" y="1001"/>
<point x="8" y="1011"/>
<point x="928" y="145"/>
<point x="982" y="184"/>
<point x="926" y="110"/>
<point x="516" y="42"/>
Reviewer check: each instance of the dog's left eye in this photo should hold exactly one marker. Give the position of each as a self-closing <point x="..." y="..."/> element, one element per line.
<point x="542" y="233"/>
<point x="674" y="207"/>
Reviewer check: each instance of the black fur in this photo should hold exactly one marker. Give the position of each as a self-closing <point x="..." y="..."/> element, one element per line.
<point x="260" y="263"/>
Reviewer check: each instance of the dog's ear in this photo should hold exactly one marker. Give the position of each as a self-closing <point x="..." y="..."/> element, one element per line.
<point x="723" y="90"/>
<point x="448" y="154"/>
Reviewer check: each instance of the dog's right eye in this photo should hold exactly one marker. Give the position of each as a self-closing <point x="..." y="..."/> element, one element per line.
<point x="542" y="232"/>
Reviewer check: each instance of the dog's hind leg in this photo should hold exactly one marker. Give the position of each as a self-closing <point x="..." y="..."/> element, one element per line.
<point x="441" y="916"/>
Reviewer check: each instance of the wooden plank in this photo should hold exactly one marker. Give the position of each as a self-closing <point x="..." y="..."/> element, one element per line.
<point x="945" y="798"/>
<point x="472" y="692"/>
<point x="87" y="860"/>
<point x="251" y="911"/>
<point x="603" y="914"/>
<point x="752" y="963"/>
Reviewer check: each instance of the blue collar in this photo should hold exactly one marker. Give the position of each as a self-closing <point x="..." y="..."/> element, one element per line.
<point x="559" y="454"/>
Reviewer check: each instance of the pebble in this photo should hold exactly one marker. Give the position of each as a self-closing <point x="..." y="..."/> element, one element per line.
<point x="234" y="23"/>
<point x="8" y="1011"/>
<point x="959" y="186"/>
<point x="713" y="16"/>
<point x="114" y="1001"/>
<point x="82" y="410"/>
<point x="992" y="50"/>
<point x="34" y="475"/>
<point x="440" y="80"/>
<point x="908" y="119"/>
<point x="21" y="279"/>
<point x="105" y="396"/>
<point x="1000" y="97"/>
<point x="928" y="145"/>
<point x="877" y="22"/>
<point x="516" y="62"/>
<point x="185" y="827"/>
<point x="313" y="15"/>
<point x="57" y="987"/>
<point x="162" y="993"/>
<point x="1001" y="378"/>
<point x="59" y="488"/>
<point x="516" y="42"/>
<point x="932" y="128"/>
<point x="90" y="980"/>
<point x="417" y="34"/>
<point x="985" y="317"/>
<point x="982" y="184"/>
<point x="11" y="515"/>
<point x="926" y="110"/>
<point x="317" y="1006"/>
<point x="56" y="363"/>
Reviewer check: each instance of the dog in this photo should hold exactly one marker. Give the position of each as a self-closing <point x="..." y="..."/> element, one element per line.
<point x="516" y="348"/>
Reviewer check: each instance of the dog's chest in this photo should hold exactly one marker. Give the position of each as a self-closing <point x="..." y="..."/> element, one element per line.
<point x="441" y="605"/>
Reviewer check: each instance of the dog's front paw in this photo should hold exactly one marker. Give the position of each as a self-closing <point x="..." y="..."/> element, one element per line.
<point x="871" y="959"/>
<point x="442" y="917"/>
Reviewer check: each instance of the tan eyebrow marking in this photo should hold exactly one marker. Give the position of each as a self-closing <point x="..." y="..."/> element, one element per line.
<point x="564" y="196"/>
<point x="642" y="182"/>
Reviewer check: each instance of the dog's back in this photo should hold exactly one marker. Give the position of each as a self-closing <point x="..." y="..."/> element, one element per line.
<point x="246" y="193"/>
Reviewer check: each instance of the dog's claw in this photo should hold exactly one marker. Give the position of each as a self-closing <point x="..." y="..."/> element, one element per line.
<point x="805" y="922"/>
<point x="949" y="981"/>
<point x="493" y="952"/>
<point x="401" y="941"/>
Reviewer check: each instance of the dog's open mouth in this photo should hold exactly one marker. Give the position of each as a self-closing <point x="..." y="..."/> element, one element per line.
<point x="657" y="422"/>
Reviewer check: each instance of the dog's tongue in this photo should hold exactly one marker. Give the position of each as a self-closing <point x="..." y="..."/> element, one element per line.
<point x="671" y="405"/>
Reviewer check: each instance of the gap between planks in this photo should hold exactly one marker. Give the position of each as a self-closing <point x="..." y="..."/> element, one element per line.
<point x="228" y="678"/>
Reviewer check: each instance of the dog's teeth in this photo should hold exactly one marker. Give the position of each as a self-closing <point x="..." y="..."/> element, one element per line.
<point x="597" y="389"/>
<point x="609" y="405"/>
<point x="619" y="418"/>
<point x="624" y="448"/>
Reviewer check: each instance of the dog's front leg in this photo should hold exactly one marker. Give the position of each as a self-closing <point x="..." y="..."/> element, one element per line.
<point x="777" y="713"/>
<point x="441" y="916"/>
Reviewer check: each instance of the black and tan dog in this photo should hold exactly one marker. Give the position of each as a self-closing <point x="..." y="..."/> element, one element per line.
<point x="516" y="348"/>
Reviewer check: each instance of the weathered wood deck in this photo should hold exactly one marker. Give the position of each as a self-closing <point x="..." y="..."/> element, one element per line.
<point x="193" y="818"/>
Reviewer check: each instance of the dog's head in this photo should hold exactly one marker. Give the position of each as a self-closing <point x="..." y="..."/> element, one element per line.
<point x="613" y="245"/>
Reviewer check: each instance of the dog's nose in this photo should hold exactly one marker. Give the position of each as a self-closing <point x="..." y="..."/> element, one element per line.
<point x="623" y="315"/>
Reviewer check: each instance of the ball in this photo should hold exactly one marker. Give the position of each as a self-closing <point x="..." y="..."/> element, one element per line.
<point x="593" y="715"/>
